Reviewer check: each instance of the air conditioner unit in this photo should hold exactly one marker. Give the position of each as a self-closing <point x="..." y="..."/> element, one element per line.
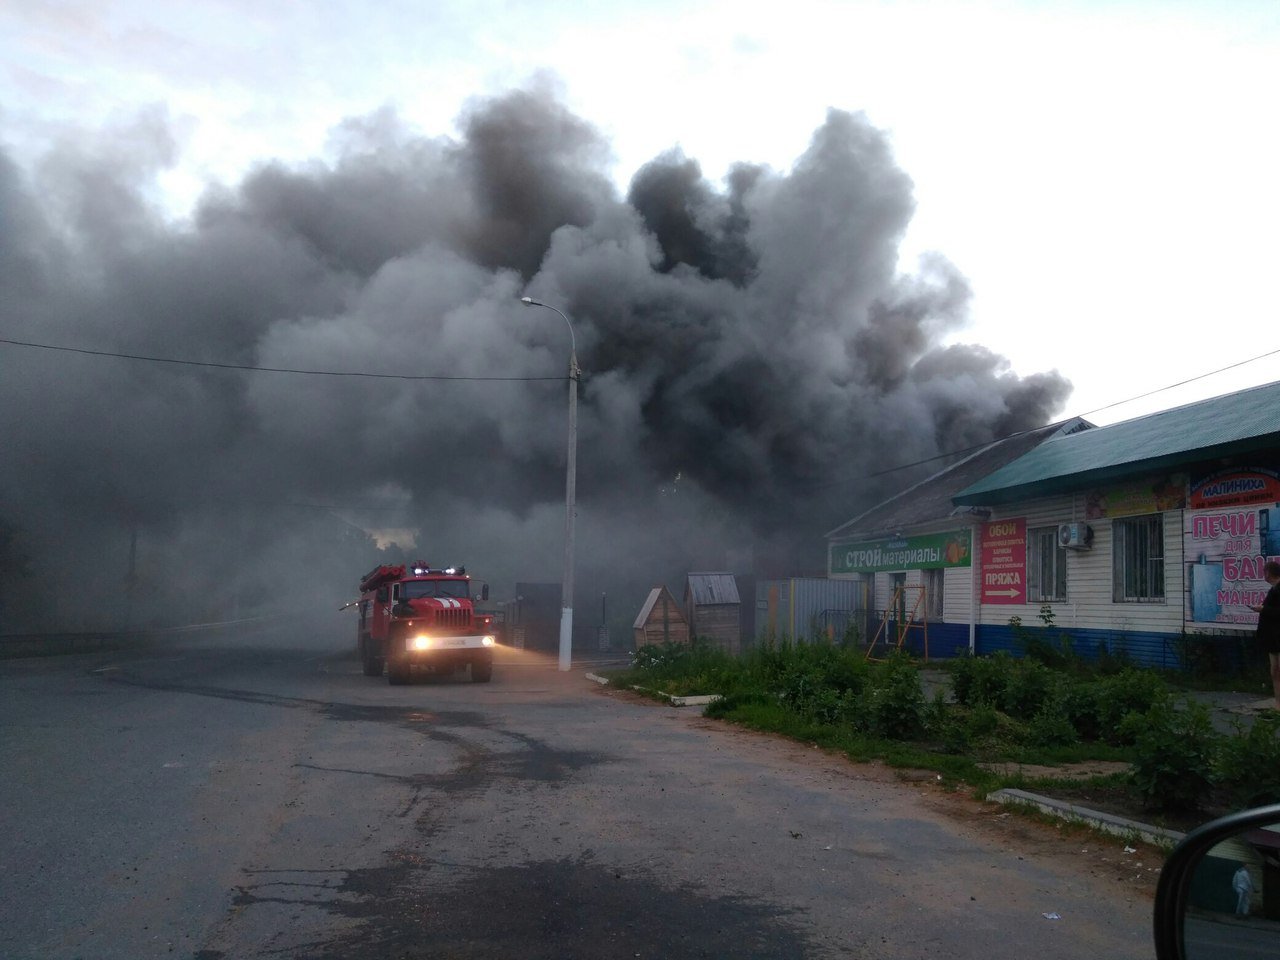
<point x="1075" y="536"/>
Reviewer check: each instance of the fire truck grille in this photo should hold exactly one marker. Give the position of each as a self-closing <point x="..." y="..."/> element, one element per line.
<point x="453" y="618"/>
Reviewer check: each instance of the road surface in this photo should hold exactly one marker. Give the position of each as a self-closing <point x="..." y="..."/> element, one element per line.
<point x="262" y="798"/>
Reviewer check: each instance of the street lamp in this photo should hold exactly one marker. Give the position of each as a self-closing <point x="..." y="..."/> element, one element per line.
<point x="570" y="485"/>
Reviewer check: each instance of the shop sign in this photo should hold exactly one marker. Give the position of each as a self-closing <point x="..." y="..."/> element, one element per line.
<point x="1235" y="488"/>
<point x="1227" y="548"/>
<point x="1135" y="499"/>
<point x="1004" y="561"/>
<point x="928" y="551"/>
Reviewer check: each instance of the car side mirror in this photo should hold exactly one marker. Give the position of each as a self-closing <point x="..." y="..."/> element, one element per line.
<point x="1219" y="892"/>
<point x="484" y="592"/>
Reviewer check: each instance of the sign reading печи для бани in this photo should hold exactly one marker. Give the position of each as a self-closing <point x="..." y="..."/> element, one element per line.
<point x="1231" y="528"/>
<point x="926" y="551"/>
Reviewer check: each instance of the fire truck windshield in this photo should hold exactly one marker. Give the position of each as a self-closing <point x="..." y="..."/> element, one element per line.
<point x="415" y="589"/>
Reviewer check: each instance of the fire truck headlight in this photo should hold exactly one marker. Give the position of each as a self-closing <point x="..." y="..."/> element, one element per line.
<point x="488" y="641"/>
<point x="421" y="643"/>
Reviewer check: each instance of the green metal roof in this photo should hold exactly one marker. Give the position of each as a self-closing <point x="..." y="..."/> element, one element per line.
<point x="1238" y="423"/>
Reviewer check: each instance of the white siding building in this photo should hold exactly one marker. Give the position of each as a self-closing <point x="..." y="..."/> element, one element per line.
<point x="1144" y="538"/>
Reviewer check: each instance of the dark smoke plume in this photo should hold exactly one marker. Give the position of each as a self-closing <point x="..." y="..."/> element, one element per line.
<point x="750" y="351"/>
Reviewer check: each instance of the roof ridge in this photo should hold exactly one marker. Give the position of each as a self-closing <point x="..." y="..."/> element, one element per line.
<point x="1184" y="406"/>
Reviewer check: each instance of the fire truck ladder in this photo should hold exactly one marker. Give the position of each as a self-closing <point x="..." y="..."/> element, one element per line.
<point x="917" y="619"/>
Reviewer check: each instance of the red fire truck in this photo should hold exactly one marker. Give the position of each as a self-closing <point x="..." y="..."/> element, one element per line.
<point x="424" y="617"/>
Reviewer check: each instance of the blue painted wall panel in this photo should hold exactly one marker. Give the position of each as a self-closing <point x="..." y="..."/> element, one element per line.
<point x="1164" y="651"/>
<point x="945" y="640"/>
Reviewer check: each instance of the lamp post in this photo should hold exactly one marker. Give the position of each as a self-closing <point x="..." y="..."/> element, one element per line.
<point x="570" y="490"/>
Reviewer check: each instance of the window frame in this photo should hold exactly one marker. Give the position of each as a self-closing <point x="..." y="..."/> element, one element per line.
<point x="933" y="599"/>
<point x="898" y="579"/>
<point x="1036" y="538"/>
<point x="1126" y="552"/>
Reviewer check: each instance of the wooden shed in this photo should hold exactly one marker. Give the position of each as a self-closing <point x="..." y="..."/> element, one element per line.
<point x="661" y="620"/>
<point x="712" y="605"/>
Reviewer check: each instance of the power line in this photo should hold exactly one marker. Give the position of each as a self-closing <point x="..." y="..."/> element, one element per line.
<point x="397" y="376"/>
<point x="1022" y="433"/>
<point x="1181" y="383"/>
<point x="252" y="369"/>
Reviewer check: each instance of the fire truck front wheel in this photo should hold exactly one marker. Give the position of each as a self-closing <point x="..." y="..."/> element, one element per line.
<point x="398" y="672"/>
<point x="482" y="669"/>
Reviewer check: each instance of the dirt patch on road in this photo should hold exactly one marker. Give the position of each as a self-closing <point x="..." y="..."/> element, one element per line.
<point x="1129" y="869"/>
<point x="1132" y="868"/>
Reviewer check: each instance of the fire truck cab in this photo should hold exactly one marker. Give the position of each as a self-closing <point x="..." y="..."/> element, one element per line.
<point x="421" y="617"/>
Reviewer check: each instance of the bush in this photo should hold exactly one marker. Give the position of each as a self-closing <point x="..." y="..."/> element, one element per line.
<point x="778" y="666"/>
<point x="796" y="688"/>
<point x="1128" y="692"/>
<point x="1174" y="751"/>
<point x="817" y="681"/>
<point x="682" y="668"/>
<point x="844" y="670"/>
<point x="1028" y="686"/>
<point x="1018" y="687"/>
<point x="977" y="680"/>
<point x="991" y="733"/>
<point x="808" y="695"/>
<point x="983" y="722"/>
<point x="1082" y="703"/>
<point x="1052" y="725"/>
<point x="1249" y="766"/>
<point x="940" y="719"/>
<point x="962" y="669"/>
<point x="894" y="706"/>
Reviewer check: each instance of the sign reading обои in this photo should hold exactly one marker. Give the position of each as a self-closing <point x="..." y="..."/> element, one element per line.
<point x="1004" y="561"/>
<point x="928" y="551"/>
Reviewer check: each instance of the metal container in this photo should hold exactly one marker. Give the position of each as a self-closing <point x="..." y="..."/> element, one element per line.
<point x="805" y="608"/>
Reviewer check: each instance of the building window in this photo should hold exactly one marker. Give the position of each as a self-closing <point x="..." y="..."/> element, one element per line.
<point x="898" y="596"/>
<point x="1046" y="566"/>
<point x="933" y="587"/>
<point x="1137" y="559"/>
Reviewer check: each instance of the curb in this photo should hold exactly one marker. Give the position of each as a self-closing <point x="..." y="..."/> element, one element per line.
<point x="691" y="701"/>
<point x="699" y="701"/>
<point x="1106" y="822"/>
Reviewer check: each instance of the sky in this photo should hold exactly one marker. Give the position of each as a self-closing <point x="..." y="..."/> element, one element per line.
<point x="807" y="258"/>
<point x="1101" y="173"/>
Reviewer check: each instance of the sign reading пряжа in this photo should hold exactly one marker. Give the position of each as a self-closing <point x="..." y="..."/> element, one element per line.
<point x="1004" y="561"/>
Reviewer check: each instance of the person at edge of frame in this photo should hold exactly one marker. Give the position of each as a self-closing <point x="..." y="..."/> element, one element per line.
<point x="1269" y="624"/>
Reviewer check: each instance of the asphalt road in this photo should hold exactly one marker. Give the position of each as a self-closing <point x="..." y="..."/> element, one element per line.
<point x="1229" y="939"/>
<point x="263" y="799"/>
